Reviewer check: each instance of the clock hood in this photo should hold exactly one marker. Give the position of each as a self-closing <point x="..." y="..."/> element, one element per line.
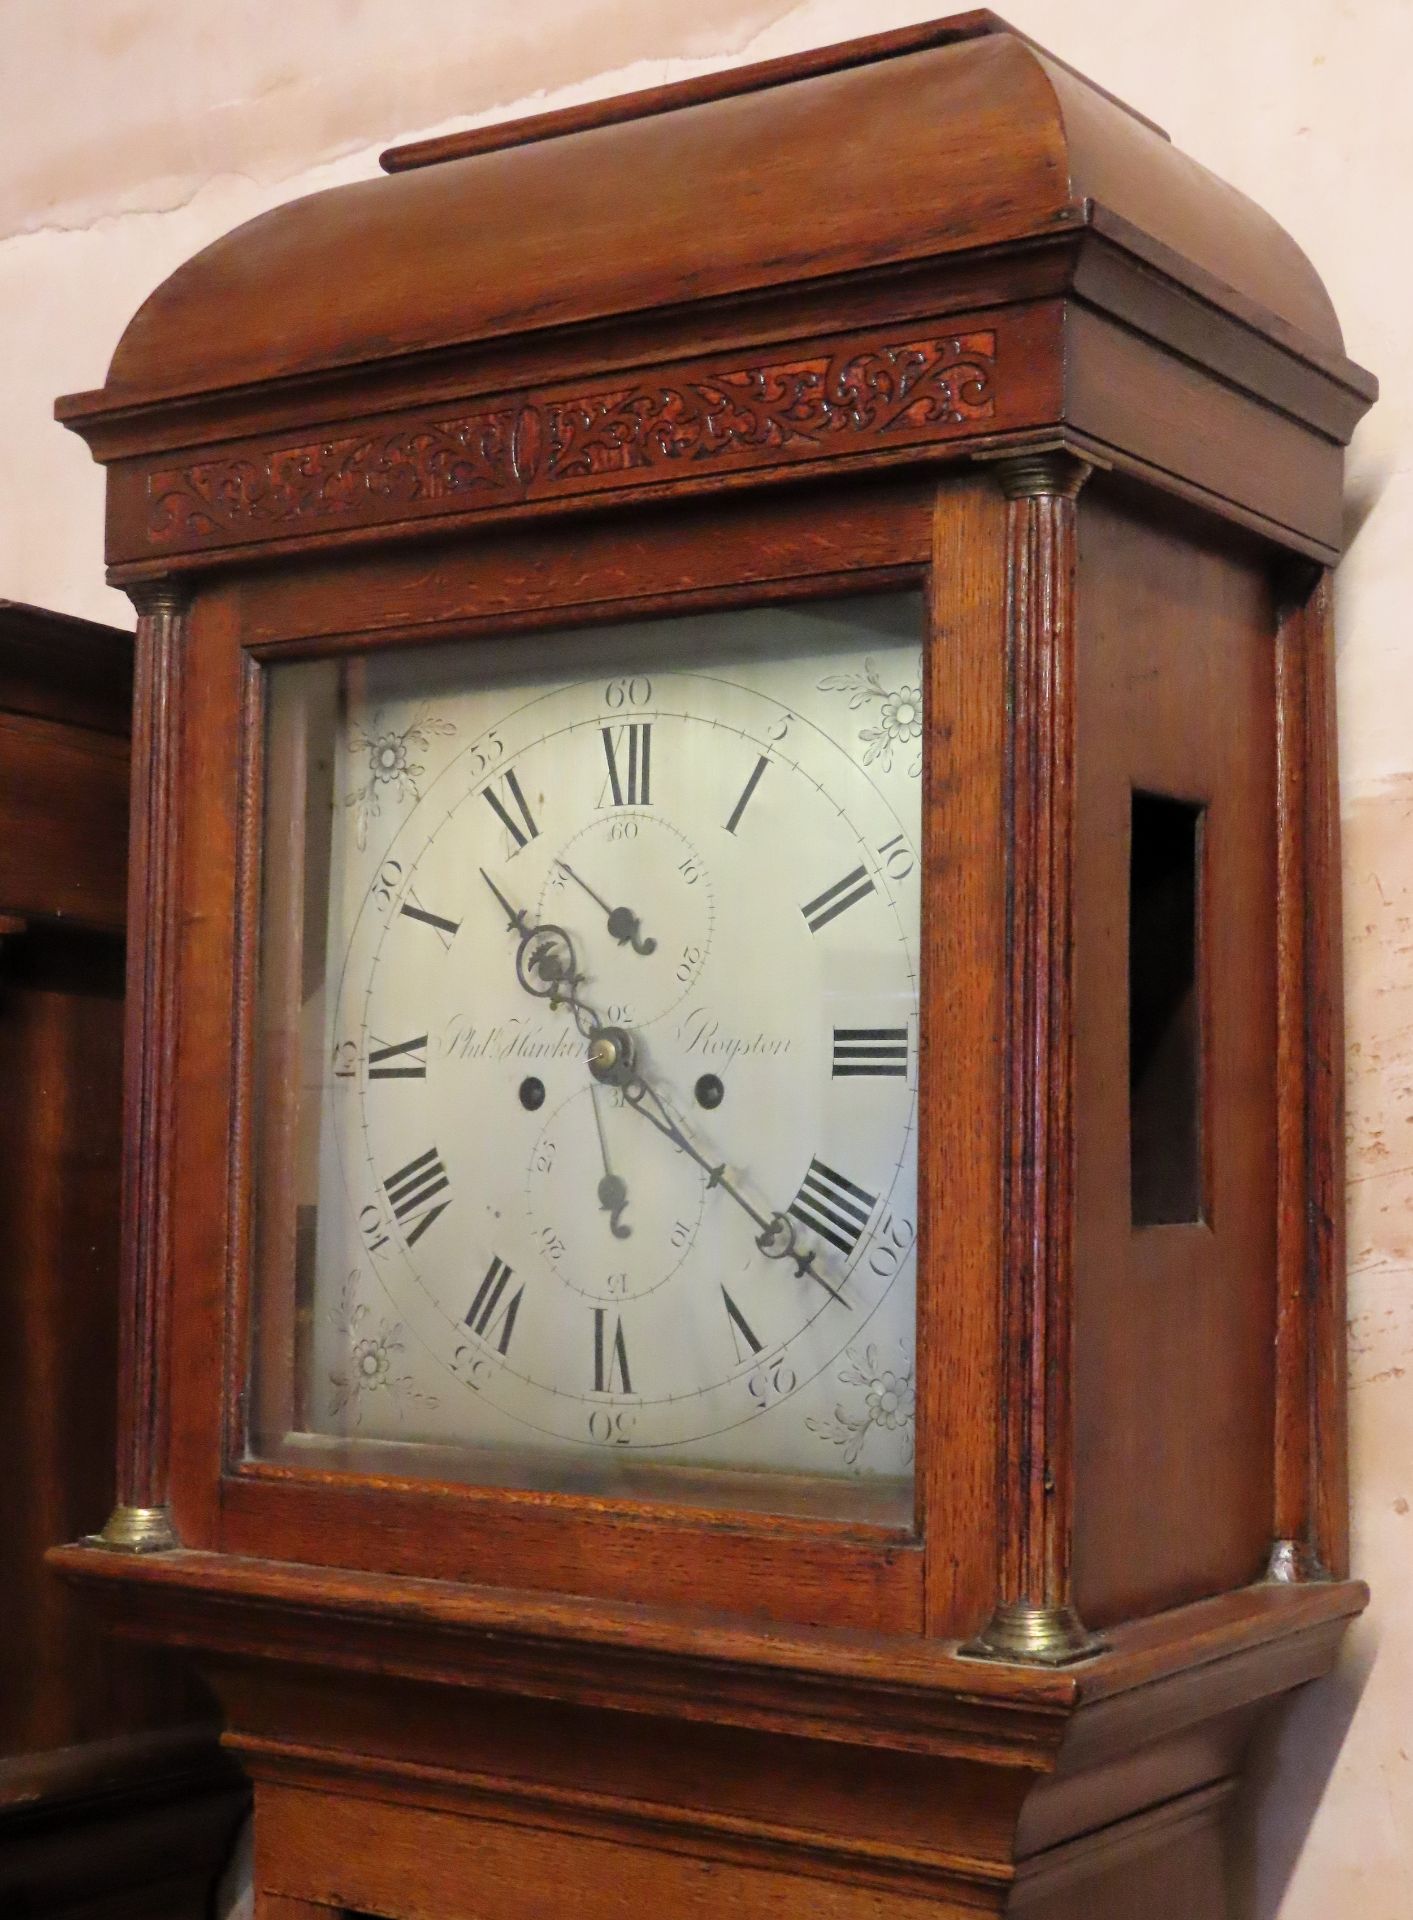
<point x="893" y="150"/>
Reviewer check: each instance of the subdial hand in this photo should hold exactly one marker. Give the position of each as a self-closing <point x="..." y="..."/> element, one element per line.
<point x="623" y="923"/>
<point x="613" y="1190"/>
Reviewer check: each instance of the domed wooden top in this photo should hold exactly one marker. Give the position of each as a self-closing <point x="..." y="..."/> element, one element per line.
<point x="904" y="148"/>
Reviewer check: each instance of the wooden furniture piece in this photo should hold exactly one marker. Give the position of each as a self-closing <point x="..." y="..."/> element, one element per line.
<point x="924" y="338"/>
<point x="114" y="1797"/>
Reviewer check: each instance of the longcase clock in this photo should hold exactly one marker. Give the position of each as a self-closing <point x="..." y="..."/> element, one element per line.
<point x="734" y="1269"/>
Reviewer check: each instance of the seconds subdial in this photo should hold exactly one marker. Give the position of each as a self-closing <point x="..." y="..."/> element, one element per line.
<point x="638" y="897"/>
<point x="617" y="1251"/>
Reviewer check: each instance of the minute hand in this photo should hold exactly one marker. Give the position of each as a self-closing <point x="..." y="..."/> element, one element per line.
<point x="776" y="1239"/>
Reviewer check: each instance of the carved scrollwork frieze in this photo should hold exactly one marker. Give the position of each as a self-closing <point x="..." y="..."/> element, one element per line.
<point x="861" y="397"/>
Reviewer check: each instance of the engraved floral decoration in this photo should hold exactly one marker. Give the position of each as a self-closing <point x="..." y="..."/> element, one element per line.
<point x="887" y="1406"/>
<point x="899" y="715"/>
<point x="373" y="1365"/>
<point x="392" y="772"/>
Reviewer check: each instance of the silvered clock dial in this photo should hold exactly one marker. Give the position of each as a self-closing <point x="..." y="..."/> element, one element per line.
<point x="614" y="1175"/>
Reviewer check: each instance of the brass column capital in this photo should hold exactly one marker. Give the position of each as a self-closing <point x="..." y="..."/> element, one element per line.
<point x="1044" y="472"/>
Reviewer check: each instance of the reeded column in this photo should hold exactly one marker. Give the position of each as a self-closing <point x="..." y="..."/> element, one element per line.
<point x="139" y="1522"/>
<point x="1034" y="1619"/>
<point x="1311" y="1525"/>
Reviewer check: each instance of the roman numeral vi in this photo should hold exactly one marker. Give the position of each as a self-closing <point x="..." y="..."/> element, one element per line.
<point x="610" y="1355"/>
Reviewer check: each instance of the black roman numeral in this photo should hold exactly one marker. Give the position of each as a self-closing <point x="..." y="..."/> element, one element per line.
<point x="746" y="1343"/>
<point x="834" y="900"/>
<point x="445" y="930"/>
<point x="411" y="1190"/>
<point x="628" y="751"/>
<point x="610" y="1356"/>
<point x="746" y="792"/>
<point x="879" y="1051"/>
<point x="493" y="1311"/>
<point x="522" y="830"/>
<point x="403" y="1060"/>
<point x="833" y="1207"/>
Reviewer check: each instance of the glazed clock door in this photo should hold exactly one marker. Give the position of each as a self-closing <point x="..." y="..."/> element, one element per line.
<point x="600" y="1175"/>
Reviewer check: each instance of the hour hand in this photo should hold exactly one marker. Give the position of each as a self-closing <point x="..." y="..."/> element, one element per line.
<point x="515" y="917"/>
<point x="545" y="960"/>
<point x="623" y="923"/>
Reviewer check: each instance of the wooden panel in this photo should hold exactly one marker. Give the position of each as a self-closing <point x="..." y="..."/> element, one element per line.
<point x="1174" y="1324"/>
<point x="416" y="1863"/>
<point x="658" y="563"/>
<point x="1163" y="410"/>
<point x="56" y="667"/>
<point x="64" y="801"/>
<point x="960" y="1146"/>
<point x="61" y="1063"/>
<point x="195" y="1152"/>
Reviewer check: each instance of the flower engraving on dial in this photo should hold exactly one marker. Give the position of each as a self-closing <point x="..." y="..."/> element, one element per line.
<point x="887" y="1409"/>
<point x="899" y="717"/>
<point x="640" y="900"/>
<point x="373" y="1359"/>
<point x="392" y="772"/>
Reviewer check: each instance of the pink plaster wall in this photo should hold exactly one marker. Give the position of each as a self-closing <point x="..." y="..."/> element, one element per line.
<point x="132" y="132"/>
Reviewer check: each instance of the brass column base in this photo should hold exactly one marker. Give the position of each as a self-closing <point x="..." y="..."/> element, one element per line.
<point x="1019" y="1635"/>
<point x="135" y="1530"/>
<point x="1294" y="1563"/>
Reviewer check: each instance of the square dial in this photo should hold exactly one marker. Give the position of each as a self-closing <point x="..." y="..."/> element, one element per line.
<point x="600" y="1171"/>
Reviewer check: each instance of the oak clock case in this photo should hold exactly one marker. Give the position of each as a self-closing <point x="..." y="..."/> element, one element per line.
<point x="610" y="956"/>
<point x="733" y="1262"/>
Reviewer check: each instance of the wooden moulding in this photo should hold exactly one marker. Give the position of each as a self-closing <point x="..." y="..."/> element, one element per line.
<point x="453" y="1719"/>
<point x="1008" y="254"/>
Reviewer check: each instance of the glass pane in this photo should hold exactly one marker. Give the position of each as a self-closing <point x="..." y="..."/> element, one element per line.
<point x="586" y="1076"/>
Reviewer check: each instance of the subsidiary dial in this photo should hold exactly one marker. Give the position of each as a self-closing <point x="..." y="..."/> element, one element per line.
<point x="613" y="1210"/>
<point x="638" y="898"/>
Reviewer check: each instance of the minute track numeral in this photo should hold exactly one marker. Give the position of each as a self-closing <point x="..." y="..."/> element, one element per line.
<point x="833" y="1207"/>
<point x="837" y="899"/>
<point x="880" y="1052"/>
<point x="610" y="1355"/>
<point x="628" y="751"/>
<point x="493" y="1311"/>
<point x="411" y="1191"/>
<point x="513" y="810"/>
<point x="402" y="1060"/>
